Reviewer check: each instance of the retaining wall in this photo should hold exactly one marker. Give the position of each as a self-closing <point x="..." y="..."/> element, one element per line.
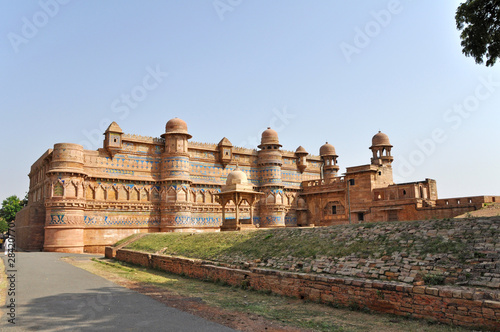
<point x="452" y="305"/>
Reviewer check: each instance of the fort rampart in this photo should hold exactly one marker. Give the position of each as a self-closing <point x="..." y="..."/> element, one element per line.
<point x="450" y="305"/>
<point x="82" y="201"/>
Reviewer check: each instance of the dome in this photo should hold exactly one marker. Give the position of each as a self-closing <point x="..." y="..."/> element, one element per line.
<point x="236" y="177"/>
<point x="269" y="136"/>
<point x="301" y="150"/>
<point x="327" y="150"/>
<point x="176" y="126"/>
<point x="381" y="139"/>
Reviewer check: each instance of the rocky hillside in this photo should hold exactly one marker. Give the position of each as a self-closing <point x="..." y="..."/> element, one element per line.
<point x="456" y="251"/>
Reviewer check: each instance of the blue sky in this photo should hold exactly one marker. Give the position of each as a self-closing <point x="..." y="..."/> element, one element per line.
<point x="315" y="71"/>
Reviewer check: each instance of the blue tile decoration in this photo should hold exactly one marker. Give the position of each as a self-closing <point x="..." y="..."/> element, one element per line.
<point x="144" y="166"/>
<point x="118" y="171"/>
<point x="290" y="220"/>
<point x="57" y="219"/>
<point x="272" y="221"/>
<point x="120" y="221"/>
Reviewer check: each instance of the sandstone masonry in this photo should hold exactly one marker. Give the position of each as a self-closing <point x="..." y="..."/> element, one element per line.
<point x="82" y="200"/>
<point x="451" y="305"/>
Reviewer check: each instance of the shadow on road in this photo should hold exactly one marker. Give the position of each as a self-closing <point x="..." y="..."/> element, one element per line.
<point x="96" y="309"/>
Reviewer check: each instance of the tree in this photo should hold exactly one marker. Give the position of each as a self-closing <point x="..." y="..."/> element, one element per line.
<point x="479" y="23"/>
<point x="10" y="206"/>
<point x="4" y="227"/>
<point x="24" y="201"/>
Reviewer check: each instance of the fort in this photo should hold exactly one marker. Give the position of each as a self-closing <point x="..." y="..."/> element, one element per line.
<point x="82" y="200"/>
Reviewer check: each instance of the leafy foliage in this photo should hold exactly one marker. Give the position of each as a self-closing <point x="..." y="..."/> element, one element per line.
<point x="4" y="227"/>
<point x="479" y="23"/>
<point x="434" y="279"/>
<point x="10" y="206"/>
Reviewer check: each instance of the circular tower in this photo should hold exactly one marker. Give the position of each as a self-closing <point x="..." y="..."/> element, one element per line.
<point x="329" y="157"/>
<point x="64" y="222"/>
<point x="176" y="179"/>
<point x="270" y="160"/>
<point x="381" y="149"/>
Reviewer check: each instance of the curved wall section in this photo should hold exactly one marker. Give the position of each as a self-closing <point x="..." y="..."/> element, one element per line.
<point x="64" y="230"/>
<point x="67" y="157"/>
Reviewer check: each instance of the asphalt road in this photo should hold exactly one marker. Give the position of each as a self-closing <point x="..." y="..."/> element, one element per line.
<point x="51" y="295"/>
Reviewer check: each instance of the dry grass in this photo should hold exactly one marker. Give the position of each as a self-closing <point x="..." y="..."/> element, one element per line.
<point x="290" y="312"/>
<point x="368" y="240"/>
<point x="3" y="284"/>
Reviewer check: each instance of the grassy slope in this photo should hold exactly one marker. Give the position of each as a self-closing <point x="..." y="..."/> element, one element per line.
<point x="366" y="240"/>
<point x="279" y="309"/>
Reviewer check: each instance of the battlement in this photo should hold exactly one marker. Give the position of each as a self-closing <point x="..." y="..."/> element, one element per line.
<point x="143" y="139"/>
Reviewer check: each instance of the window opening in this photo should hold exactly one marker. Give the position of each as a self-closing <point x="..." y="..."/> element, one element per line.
<point x="361" y="216"/>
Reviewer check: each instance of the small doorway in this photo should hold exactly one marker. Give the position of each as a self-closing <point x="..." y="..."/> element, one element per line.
<point x="361" y="216"/>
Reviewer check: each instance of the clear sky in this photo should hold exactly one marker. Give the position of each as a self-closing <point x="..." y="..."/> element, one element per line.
<point x="315" y="71"/>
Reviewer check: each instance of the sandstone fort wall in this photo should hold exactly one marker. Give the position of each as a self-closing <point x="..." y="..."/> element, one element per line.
<point x="451" y="305"/>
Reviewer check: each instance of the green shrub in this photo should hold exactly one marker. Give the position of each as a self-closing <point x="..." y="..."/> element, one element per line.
<point x="434" y="279"/>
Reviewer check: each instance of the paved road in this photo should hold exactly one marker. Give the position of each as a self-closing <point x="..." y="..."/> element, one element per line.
<point x="51" y="295"/>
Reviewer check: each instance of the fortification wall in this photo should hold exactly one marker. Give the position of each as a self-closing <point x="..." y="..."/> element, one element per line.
<point x="451" y="305"/>
<point x="462" y="252"/>
<point x="29" y="227"/>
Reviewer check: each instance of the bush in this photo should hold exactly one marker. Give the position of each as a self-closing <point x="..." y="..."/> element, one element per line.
<point x="434" y="279"/>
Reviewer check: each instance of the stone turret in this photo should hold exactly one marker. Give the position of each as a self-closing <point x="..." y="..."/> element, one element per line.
<point x="270" y="161"/>
<point x="381" y="149"/>
<point x="176" y="155"/>
<point x="225" y="152"/>
<point x="113" y="139"/>
<point x="301" y="154"/>
<point x="329" y="157"/>
<point x="65" y="203"/>
<point x="176" y="179"/>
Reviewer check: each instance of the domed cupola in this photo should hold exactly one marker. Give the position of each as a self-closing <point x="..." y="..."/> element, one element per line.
<point x="269" y="138"/>
<point x="329" y="157"/>
<point x="327" y="150"/>
<point x="301" y="154"/>
<point x="176" y="137"/>
<point x="237" y="176"/>
<point x="381" y="148"/>
<point x="177" y="126"/>
<point x="238" y="190"/>
<point x="381" y="139"/>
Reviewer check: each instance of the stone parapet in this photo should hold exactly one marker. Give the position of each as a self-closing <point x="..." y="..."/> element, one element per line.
<point x="451" y="305"/>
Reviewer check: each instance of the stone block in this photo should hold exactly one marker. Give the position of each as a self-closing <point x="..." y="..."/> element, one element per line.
<point x="419" y="289"/>
<point x="492" y="304"/>
<point x="432" y="291"/>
